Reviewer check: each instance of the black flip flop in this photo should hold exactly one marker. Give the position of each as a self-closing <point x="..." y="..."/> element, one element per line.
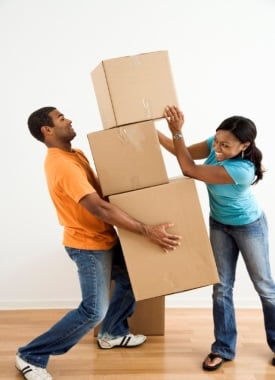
<point x="212" y="356"/>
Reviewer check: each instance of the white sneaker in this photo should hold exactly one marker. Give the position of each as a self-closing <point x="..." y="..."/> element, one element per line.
<point x="31" y="372"/>
<point x="129" y="340"/>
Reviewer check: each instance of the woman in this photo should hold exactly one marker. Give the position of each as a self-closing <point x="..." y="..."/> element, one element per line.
<point x="237" y="224"/>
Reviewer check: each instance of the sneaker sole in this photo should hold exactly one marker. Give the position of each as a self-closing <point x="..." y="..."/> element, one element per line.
<point x="119" y="346"/>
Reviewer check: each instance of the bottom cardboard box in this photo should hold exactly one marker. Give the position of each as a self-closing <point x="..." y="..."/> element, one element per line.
<point x="152" y="272"/>
<point x="148" y="318"/>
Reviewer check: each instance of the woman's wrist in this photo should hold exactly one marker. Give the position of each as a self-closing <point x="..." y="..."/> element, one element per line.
<point x="177" y="135"/>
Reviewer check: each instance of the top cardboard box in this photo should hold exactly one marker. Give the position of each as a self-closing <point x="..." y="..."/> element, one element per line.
<point x="134" y="88"/>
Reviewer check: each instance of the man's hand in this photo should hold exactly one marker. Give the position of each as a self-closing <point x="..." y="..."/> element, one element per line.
<point x="158" y="235"/>
<point x="113" y="215"/>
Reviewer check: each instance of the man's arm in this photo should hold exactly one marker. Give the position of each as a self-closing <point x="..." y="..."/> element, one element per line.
<point x="115" y="216"/>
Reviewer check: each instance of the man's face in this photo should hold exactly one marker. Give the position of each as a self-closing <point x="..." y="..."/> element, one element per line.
<point x="62" y="127"/>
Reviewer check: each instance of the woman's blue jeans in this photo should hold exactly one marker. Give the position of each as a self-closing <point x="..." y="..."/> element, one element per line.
<point x="251" y="240"/>
<point x="95" y="270"/>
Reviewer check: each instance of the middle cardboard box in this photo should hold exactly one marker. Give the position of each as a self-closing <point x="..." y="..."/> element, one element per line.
<point x="128" y="158"/>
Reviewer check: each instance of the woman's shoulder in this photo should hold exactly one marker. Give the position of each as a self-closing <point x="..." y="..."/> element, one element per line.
<point x="242" y="171"/>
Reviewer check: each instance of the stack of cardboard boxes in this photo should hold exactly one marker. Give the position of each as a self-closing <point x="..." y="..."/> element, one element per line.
<point x="132" y="93"/>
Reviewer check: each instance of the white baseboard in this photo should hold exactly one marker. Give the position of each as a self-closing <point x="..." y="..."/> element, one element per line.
<point x="177" y="301"/>
<point x="204" y="304"/>
<point x="35" y="305"/>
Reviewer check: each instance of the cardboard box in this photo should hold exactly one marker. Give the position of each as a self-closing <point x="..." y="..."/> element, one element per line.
<point x="133" y="88"/>
<point x="191" y="265"/>
<point x="148" y="318"/>
<point x="128" y="158"/>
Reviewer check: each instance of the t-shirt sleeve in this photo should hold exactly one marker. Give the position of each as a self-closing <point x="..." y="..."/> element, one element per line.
<point x="75" y="183"/>
<point x="242" y="173"/>
<point x="209" y="142"/>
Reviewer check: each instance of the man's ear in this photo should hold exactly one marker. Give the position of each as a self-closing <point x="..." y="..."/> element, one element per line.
<point x="46" y="130"/>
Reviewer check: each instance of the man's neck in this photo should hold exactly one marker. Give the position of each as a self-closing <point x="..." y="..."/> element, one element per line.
<point x="65" y="146"/>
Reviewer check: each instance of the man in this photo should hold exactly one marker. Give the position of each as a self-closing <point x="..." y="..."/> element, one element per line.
<point x="91" y="242"/>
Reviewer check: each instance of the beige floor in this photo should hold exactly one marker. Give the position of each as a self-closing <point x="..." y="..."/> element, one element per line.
<point x="175" y="356"/>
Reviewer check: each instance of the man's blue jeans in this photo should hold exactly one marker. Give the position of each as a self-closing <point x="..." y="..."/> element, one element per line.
<point x="251" y="240"/>
<point x="95" y="270"/>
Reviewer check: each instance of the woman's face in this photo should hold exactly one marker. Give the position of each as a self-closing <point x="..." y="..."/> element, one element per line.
<point x="226" y="145"/>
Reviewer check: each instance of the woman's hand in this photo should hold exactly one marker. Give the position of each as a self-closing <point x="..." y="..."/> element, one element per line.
<point x="174" y="118"/>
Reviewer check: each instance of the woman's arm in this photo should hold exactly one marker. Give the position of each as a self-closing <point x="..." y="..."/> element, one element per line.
<point x="197" y="151"/>
<point x="206" y="173"/>
<point x="166" y="142"/>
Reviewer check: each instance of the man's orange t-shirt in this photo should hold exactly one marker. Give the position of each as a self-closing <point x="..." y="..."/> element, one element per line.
<point x="70" y="178"/>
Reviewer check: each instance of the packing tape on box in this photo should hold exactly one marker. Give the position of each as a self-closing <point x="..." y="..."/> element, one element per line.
<point x="147" y="108"/>
<point x="131" y="136"/>
<point x="136" y="59"/>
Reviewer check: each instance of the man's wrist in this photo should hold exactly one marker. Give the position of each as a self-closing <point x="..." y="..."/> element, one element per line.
<point x="143" y="229"/>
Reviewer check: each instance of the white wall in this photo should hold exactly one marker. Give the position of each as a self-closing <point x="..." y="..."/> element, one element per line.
<point x="223" y="59"/>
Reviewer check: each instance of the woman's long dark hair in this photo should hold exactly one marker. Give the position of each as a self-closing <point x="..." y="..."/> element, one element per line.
<point x="245" y="131"/>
